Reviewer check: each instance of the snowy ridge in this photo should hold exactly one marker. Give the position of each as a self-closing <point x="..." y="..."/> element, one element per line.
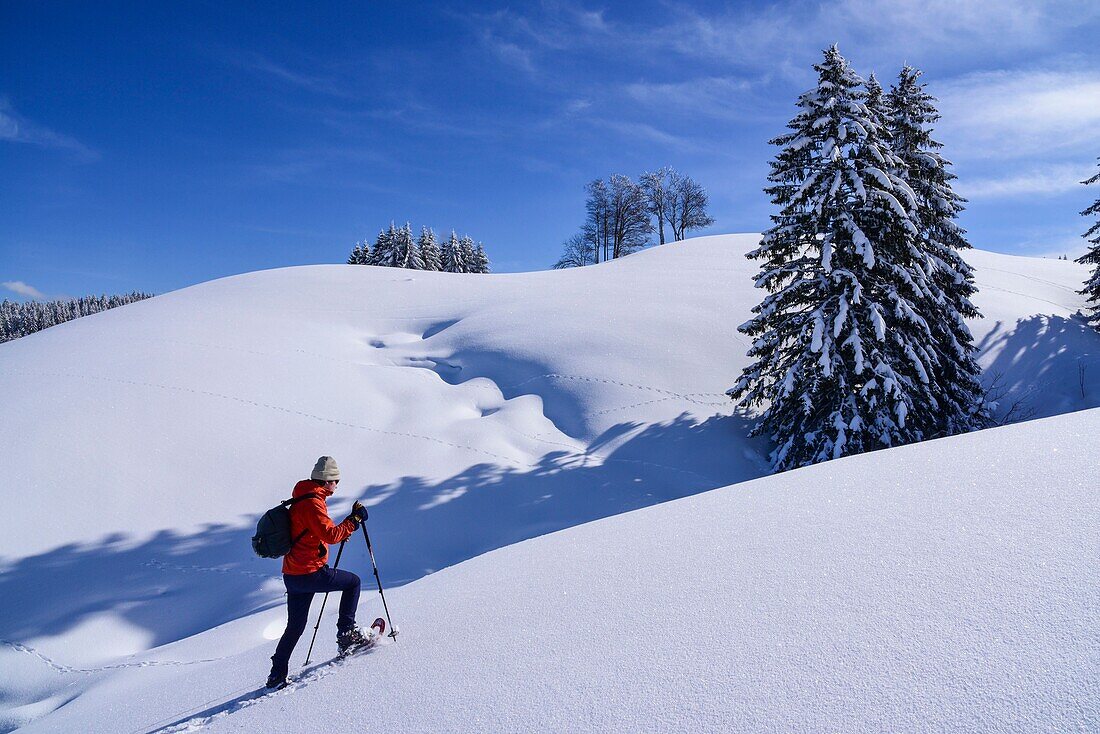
<point x="470" y="413"/>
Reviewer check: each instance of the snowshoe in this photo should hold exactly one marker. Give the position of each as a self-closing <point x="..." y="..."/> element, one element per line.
<point x="350" y="640"/>
<point x="355" y="639"/>
<point x="277" y="682"/>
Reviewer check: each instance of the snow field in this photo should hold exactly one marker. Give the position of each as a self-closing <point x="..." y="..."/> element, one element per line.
<point x="470" y="412"/>
<point x="947" y="586"/>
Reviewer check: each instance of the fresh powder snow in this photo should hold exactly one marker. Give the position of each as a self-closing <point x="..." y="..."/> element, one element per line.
<point x="947" y="585"/>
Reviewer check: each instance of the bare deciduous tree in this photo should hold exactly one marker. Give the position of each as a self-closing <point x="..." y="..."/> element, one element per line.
<point x="598" y="224"/>
<point x="658" y="191"/>
<point x="619" y="215"/>
<point x="999" y="398"/>
<point x="578" y="251"/>
<point x="628" y="216"/>
<point x="688" y="205"/>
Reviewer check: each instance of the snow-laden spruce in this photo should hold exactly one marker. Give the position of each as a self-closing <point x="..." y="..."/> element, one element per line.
<point x="467" y="246"/>
<point x="842" y="359"/>
<point x="395" y="248"/>
<point x="405" y="253"/>
<point x="480" y="261"/>
<point x="429" y="250"/>
<point x="361" y="254"/>
<point x="1092" y="256"/>
<point x="454" y="260"/>
<point x="950" y="281"/>
<point x="382" y="252"/>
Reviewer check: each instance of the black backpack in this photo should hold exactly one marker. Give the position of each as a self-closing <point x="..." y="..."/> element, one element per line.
<point x="272" y="538"/>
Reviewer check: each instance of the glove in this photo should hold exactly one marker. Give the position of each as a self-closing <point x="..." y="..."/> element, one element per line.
<point x="359" y="512"/>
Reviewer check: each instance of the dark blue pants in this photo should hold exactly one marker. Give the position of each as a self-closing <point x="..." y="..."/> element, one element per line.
<point x="299" y="595"/>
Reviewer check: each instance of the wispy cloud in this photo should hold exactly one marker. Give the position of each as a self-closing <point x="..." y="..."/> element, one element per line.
<point x="20" y="288"/>
<point x="511" y="53"/>
<point x="1049" y="180"/>
<point x="757" y="36"/>
<point x="750" y="37"/>
<point x="914" y="28"/>
<point x="915" y="25"/>
<point x="649" y="133"/>
<point x="554" y="26"/>
<point x="722" y="97"/>
<point x="1011" y="114"/>
<point x="411" y="114"/>
<point x="271" y="69"/>
<point x="576" y="106"/>
<point x="15" y="128"/>
<point x="557" y="28"/>
<point x="306" y="164"/>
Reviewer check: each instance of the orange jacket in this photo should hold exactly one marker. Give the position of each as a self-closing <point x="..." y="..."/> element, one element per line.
<point x="311" y="552"/>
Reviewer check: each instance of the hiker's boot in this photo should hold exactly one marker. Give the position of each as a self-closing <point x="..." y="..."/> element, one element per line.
<point x="352" y="639"/>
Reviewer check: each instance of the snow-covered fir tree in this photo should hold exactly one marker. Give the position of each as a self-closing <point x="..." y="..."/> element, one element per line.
<point x="382" y="252"/>
<point x="360" y="255"/>
<point x="911" y="112"/>
<point x="454" y="259"/>
<point x="840" y="347"/>
<point x="1092" y="256"/>
<point x="479" y="262"/>
<point x="466" y="245"/>
<point x="429" y="250"/>
<point x="405" y="252"/>
<point x="876" y="103"/>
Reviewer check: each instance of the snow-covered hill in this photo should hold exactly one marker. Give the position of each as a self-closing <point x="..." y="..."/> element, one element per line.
<point x="474" y="412"/>
<point x="950" y="586"/>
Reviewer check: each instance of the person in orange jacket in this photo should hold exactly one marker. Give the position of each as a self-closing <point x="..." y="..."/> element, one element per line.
<point x="306" y="571"/>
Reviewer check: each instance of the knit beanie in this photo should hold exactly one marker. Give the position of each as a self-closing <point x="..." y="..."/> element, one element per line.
<point x="325" y="470"/>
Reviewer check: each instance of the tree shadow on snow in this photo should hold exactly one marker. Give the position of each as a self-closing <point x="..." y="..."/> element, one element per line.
<point x="170" y="586"/>
<point x="174" y="585"/>
<point x="419" y="527"/>
<point x="1050" y="363"/>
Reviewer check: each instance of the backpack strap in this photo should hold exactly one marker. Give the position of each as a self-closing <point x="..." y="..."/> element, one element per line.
<point x="296" y="500"/>
<point x="293" y="501"/>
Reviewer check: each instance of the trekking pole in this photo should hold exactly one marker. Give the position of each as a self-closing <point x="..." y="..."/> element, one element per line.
<point x="393" y="630"/>
<point x="323" y="603"/>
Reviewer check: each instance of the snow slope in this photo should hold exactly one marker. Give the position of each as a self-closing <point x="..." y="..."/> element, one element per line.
<point x="470" y="412"/>
<point x="950" y="586"/>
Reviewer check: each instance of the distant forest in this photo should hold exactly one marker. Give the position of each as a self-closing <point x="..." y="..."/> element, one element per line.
<point x="20" y="319"/>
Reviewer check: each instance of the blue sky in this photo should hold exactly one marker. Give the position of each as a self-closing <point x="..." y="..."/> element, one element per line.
<point x="155" y="145"/>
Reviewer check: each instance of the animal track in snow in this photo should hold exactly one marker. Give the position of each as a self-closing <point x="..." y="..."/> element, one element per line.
<point x="61" y="668"/>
